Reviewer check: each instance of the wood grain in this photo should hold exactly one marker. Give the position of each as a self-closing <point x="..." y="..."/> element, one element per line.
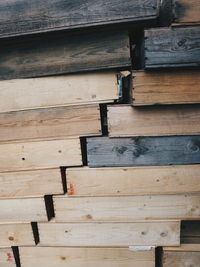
<point x="23" y="210"/>
<point x="62" y="122"/>
<point x="153" y="121"/>
<point x="133" y="180"/>
<point x="85" y="257"/>
<point x="136" y="151"/>
<point x="20" y="17"/>
<point x="127" y="208"/>
<point x="7" y="258"/>
<point x="102" y="234"/>
<point x="172" y="47"/>
<point x="187" y="12"/>
<point x="16" y="234"/>
<point x="66" y="53"/>
<point x="166" y="87"/>
<point x="30" y="183"/>
<point x="184" y="247"/>
<point x="64" y="90"/>
<point x="40" y="155"/>
<point x="181" y="259"/>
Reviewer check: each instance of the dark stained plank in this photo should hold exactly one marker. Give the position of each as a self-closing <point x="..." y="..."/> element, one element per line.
<point x="24" y="17"/>
<point x="190" y="232"/>
<point x="141" y="151"/>
<point x="65" y="53"/>
<point x="172" y="47"/>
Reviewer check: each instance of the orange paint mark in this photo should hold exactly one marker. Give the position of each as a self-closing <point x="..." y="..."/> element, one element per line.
<point x="71" y="189"/>
<point x="9" y="257"/>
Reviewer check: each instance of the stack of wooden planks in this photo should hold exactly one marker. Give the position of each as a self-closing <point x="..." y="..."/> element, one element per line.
<point x="99" y="133"/>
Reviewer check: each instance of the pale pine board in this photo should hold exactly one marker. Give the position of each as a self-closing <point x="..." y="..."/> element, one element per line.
<point x="166" y="87"/>
<point x="30" y="183"/>
<point x="184" y="247"/>
<point x="85" y="257"/>
<point x="126" y="120"/>
<point x="40" y="154"/>
<point x="61" y="122"/>
<point x="110" y="234"/>
<point x="23" y="210"/>
<point x="133" y="180"/>
<point x="22" y="94"/>
<point x="7" y="258"/>
<point x="16" y="234"/>
<point x="126" y="208"/>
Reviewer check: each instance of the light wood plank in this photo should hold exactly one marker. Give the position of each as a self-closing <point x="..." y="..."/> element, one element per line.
<point x="19" y="234"/>
<point x="40" y="154"/>
<point x="181" y="259"/>
<point x="153" y="121"/>
<point x="127" y="208"/>
<point x="186" y="12"/>
<point x="133" y="180"/>
<point x="62" y="122"/>
<point x="109" y="234"/>
<point x="166" y="87"/>
<point x="22" y="210"/>
<point x="7" y="258"/>
<point x="54" y="91"/>
<point x="184" y="247"/>
<point x="85" y="257"/>
<point x="30" y="183"/>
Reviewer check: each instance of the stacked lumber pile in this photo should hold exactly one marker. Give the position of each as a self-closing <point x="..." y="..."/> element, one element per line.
<point x="99" y="133"/>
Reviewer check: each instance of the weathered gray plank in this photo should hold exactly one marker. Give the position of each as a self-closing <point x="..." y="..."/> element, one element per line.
<point x="64" y="53"/>
<point x="172" y="47"/>
<point x="25" y="17"/>
<point x="138" y="151"/>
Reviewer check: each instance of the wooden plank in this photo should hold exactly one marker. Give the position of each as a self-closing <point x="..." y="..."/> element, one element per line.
<point x="7" y="258"/>
<point x="172" y="47"/>
<point x="58" y="91"/>
<point x="127" y="208"/>
<point x="136" y="151"/>
<point x="186" y="12"/>
<point x="66" y="53"/>
<point x="109" y="234"/>
<point x="62" y="122"/>
<point x="166" y="87"/>
<point x="133" y="180"/>
<point x="184" y="247"/>
<point x="18" y="234"/>
<point x="181" y="259"/>
<point x="85" y="257"/>
<point x="23" y="210"/>
<point x="190" y="232"/>
<point x="30" y="183"/>
<point x="40" y="154"/>
<point x="21" y="18"/>
<point x="153" y="121"/>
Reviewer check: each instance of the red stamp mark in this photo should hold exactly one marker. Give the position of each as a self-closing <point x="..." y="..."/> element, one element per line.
<point x="71" y="189"/>
<point x="9" y="257"/>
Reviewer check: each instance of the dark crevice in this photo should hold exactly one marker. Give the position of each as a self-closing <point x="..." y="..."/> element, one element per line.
<point x="84" y="150"/>
<point x="16" y="256"/>
<point x="104" y="119"/>
<point x="49" y="207"/>
<point x="63" y="177"/>
<point x="35" y="232"/>
<point x="158" y="256"/>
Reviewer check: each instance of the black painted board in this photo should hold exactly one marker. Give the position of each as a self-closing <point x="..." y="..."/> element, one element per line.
<point x="19" y="17"/>
<point x="65" y="53"/>
<point x="172" y="47"/>
<point x="143" y="151"/>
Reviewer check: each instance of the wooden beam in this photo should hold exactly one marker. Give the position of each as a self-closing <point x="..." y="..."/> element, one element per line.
<point x="153" y="121"/>
<point x="184" y="247"/>
<point x="172" y="47"/>
<point x="85" y="257"/>
<point x="141" y="151"/>
<point x="55" y="91"/>
<point x="109" y="234"/>
<point x="133" y="180"/>
<point x="30" y="183"/>
<point x="16" y="234"/>
<point x="62" y="122"/>
<point x="66" y="53"/>
<point x="166" y="87"/>
<point x="40" y="154"/>
<point x="22" y="210"/>
<point x="127" y="208"/>
<point x="7" y="258"/>
<point x="21" y="18"/>
<point x="186" y="12"/>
